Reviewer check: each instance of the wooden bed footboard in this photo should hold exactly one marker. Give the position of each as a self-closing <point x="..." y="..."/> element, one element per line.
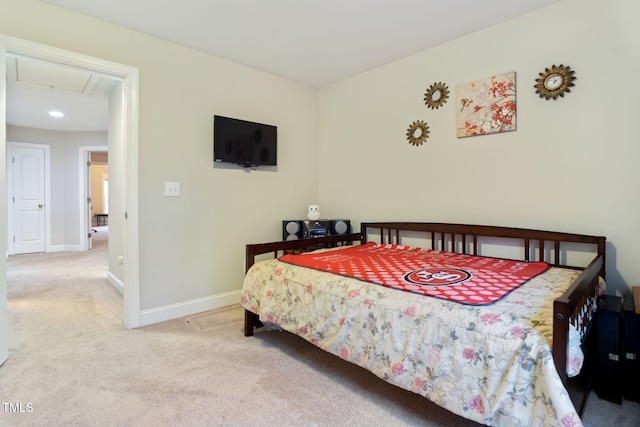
<point x="575" y="307"/>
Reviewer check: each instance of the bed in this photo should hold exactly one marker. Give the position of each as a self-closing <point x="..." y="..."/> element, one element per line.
<point x="504" y="362"/>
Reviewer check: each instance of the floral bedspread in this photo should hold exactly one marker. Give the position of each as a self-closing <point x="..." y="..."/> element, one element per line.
<point x="491" y="364"/>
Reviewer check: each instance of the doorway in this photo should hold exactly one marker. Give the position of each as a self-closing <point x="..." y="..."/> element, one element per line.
<point x="94" y="161"/>
<point x="127" y="110"/>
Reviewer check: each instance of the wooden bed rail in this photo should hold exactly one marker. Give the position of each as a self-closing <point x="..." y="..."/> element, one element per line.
<point x="463" y="238"/>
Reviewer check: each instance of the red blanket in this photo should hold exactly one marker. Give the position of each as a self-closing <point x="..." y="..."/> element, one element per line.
<point x="466" y="279"/>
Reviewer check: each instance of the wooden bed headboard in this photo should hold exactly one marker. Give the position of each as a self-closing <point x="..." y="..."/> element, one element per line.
<point x="537" y="245"/>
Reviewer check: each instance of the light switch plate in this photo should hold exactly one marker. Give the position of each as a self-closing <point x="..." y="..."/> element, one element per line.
<point x="172" y="189"/>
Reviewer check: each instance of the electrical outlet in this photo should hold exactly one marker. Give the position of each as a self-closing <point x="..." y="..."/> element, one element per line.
<point x="172" y="189"/>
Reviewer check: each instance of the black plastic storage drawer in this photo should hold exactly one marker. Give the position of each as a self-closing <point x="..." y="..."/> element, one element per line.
<point x="609" y="369"/>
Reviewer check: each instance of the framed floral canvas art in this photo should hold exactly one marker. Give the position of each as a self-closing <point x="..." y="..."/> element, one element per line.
<point x="486" y="106"/>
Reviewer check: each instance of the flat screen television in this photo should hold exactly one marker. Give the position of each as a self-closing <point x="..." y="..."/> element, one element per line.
<point x="244" y="143"/>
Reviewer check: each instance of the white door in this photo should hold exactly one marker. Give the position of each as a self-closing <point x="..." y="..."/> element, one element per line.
<point x="28" y="199"/>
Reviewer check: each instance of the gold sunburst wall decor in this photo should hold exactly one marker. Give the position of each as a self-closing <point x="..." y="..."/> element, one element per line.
<point x="418" y="133"/>
<point x="436" y="95"/>
<point x="554" y="82"/>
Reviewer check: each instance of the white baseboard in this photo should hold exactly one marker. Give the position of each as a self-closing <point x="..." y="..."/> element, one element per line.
<point x="63" y="248"/>
<point x="115" y="282"/>
<point x="55" y="248"/>
<point x="187" y="308"/>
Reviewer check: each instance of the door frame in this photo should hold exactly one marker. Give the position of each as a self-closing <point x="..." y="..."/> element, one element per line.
<point x="129" y="76"/>
<point x="85" y="191"/>
<point x="47" y="193"/>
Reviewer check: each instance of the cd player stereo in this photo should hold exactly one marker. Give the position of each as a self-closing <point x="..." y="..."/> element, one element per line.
<point x="304" y="229"/>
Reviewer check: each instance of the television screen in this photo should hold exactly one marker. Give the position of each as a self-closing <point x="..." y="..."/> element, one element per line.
<point x="244" y="143"/>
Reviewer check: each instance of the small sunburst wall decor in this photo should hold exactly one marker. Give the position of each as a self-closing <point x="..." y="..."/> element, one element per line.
<point x="436" y="95"/>
<point x="417" y="133"/>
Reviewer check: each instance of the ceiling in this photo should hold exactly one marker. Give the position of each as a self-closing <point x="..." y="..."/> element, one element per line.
<point x="35" y="87"/>
<point x="314" y="43"/>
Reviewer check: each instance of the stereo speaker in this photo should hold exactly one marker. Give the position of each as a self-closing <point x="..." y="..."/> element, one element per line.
<point x="340" y="226"/>
<point x="293" y="230"/>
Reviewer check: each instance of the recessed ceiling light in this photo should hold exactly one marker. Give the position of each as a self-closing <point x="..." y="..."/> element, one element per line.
<point x="56" y="114"/>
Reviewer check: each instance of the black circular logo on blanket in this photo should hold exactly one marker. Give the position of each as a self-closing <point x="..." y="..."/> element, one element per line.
<point x="437" y="276"/>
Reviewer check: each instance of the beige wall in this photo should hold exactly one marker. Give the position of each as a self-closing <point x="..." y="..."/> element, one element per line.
<point x="572" y="164"/>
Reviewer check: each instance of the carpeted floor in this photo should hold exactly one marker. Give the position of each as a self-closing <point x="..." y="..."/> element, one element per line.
<point x="72" y="363"/>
